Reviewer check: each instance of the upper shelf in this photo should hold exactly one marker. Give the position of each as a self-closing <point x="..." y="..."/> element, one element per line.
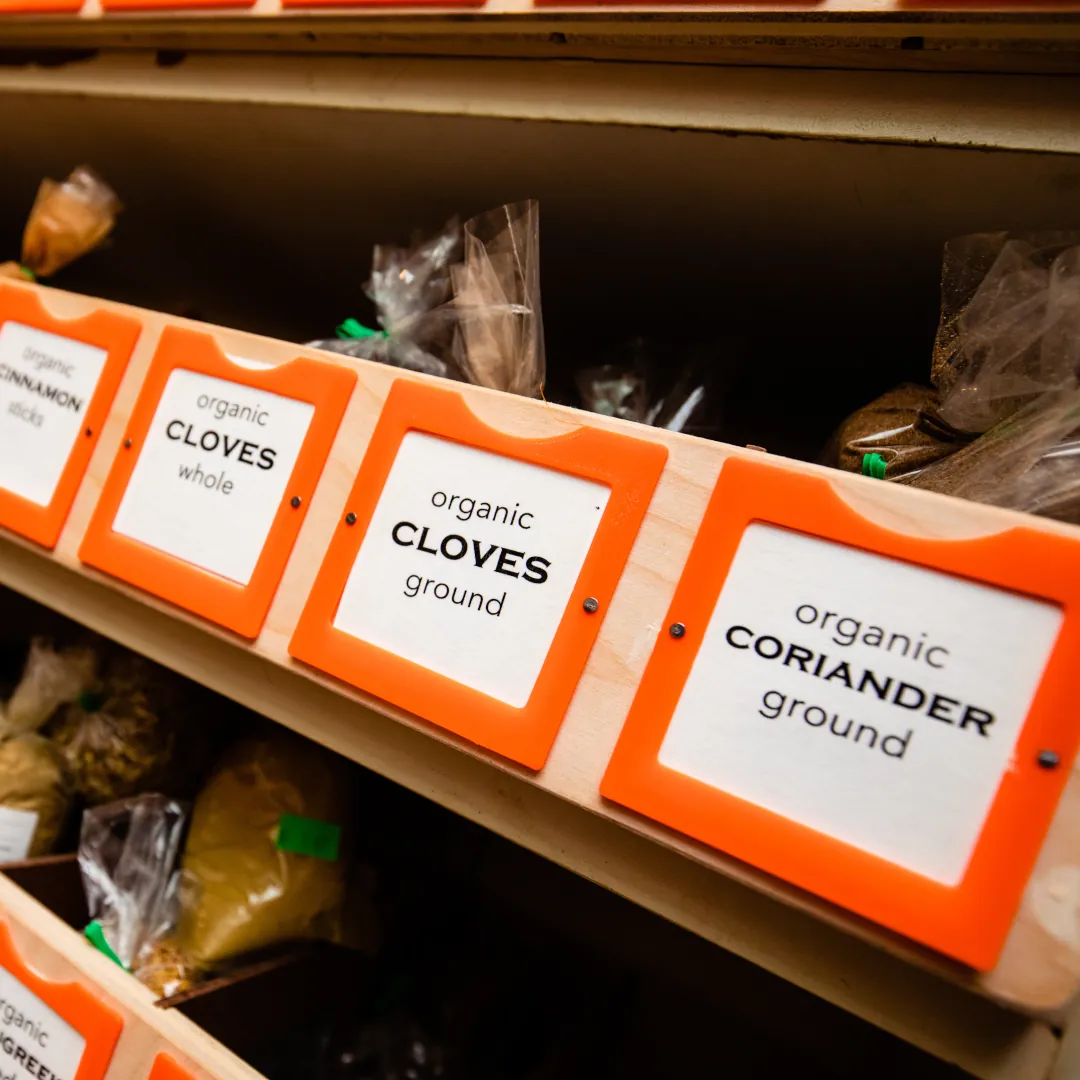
<point x="912" y="35"/>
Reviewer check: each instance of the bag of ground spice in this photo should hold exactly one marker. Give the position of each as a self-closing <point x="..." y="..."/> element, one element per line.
<point x="67" y="220"/>
<point x="898" y="434"/>
<point x="50" y="678"/>
<point x="1008" y="336"/>
<point x="1030" y="461"/>
<point x="263" y="862"/>
<point x="35" y="796"/>
<point x="131" y="733"/>
<point x="128" y="854"/>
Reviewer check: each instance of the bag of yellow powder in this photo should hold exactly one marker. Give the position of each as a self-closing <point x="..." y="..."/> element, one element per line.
<point x="263" y="858"/>
<point x="35" y="796"/>
<point x="67" y="220"/>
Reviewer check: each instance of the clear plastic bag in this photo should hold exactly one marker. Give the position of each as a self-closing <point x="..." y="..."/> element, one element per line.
<point x="67" y="220"/>
<point x="1030" y="461"/>
<point x="463" y="304"/>
<point x="50" y="678"/>
<point x="412" y="293"/>
<point x="393" y="1047"/>
<point x="500" y="329"/>
<point x="244" y="889"/>
<point x="128" y="855"/>
<point x="1010" y="324"/>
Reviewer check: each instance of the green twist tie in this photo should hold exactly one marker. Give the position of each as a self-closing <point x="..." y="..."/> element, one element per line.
<point x="353" y="328"/>
<point x="96" y="936"/>
<point x="873" y="465"/>
<point x="27" y="273"/>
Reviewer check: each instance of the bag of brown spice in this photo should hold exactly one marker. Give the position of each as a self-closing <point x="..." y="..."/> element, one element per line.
<point x="137" y="729"/>
<point x="67" y="220"/>
<point x="1006" y="337"/>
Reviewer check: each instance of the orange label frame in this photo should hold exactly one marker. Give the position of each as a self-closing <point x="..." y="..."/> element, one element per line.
<point x="165" y="1068"/>
<point x="117" y="335"/>
<point x="75" y="1004"/>
<point x="241" y="608"/>
<point x="969" y="921"/>
<point x="630" y="467"/>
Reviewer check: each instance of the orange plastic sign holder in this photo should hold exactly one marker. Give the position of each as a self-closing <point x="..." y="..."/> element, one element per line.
<point x="451" y="4"/>
<point x="241" y="608"/>
<point x="630" y="467"/>
<point x="117" y="335"/>
<point x="164" y="1068"/>
<point x="968" y="922"/>
<point x="40" y="7"/>
<point x="75" y="1004"/>
<point x="171" y="5"/>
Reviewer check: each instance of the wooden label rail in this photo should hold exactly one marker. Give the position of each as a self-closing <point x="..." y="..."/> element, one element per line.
<point x="565" y="715"/>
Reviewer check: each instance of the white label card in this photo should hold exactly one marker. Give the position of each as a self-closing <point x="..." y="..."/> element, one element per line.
<point x="17" y="828"/>
<point x="34" y="1040"/>
<point x="869" y="699"/>
<point x="213" y="471"/>
<point x="469" y="562"/>
<point x="46" y="383"/>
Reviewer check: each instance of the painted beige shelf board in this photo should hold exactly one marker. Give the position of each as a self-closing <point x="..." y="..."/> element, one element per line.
<point x="558" y="812"/>
<point x="1031" y="113"/>
<point x="60" y="954"/>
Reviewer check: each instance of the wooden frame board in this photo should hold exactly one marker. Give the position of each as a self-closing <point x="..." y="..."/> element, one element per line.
<point x="559" y="812"/>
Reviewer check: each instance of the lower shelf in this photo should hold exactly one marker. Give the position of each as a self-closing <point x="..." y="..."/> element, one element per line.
<point x="918" y="1006"/>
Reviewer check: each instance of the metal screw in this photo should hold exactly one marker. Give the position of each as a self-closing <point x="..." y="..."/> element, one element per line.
<point x="676" y="629"/>
<point x="591" y="605"/>
<point x="1048" y="759"/>
<point x="350" y="518"/>
<point x="294" y="502"/>
<point x="89" y="433"/>
<point x="127" y="444"/>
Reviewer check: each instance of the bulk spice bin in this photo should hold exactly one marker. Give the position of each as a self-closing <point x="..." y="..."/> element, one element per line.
<point x="796" y="206"/>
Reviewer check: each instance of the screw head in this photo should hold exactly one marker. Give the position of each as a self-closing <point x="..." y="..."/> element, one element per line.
<point x="89" y="432"/>
<point x="677" y="629"/>
<point x="127" y="444"/>
<point x="350" y="518"/>
<point x="591" y="605"/>
<point x="1048" y="759"/>
<point x="294" y="502"/>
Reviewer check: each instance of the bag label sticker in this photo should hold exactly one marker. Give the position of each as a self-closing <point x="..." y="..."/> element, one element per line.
<point x="46" y="384"/>
<point x="213" y="472"/>
<point x="34" y="1040"/>
<point x="17" y="828"/>
<point x="870" y="699"/>
<point x="469" y="562"/>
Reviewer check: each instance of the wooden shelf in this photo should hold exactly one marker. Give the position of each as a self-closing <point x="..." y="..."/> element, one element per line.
<point x="558" y="813"/>
<point x="878" y="34"/>
<point x="56" y="952"/>
<point x="943" y="110"/>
